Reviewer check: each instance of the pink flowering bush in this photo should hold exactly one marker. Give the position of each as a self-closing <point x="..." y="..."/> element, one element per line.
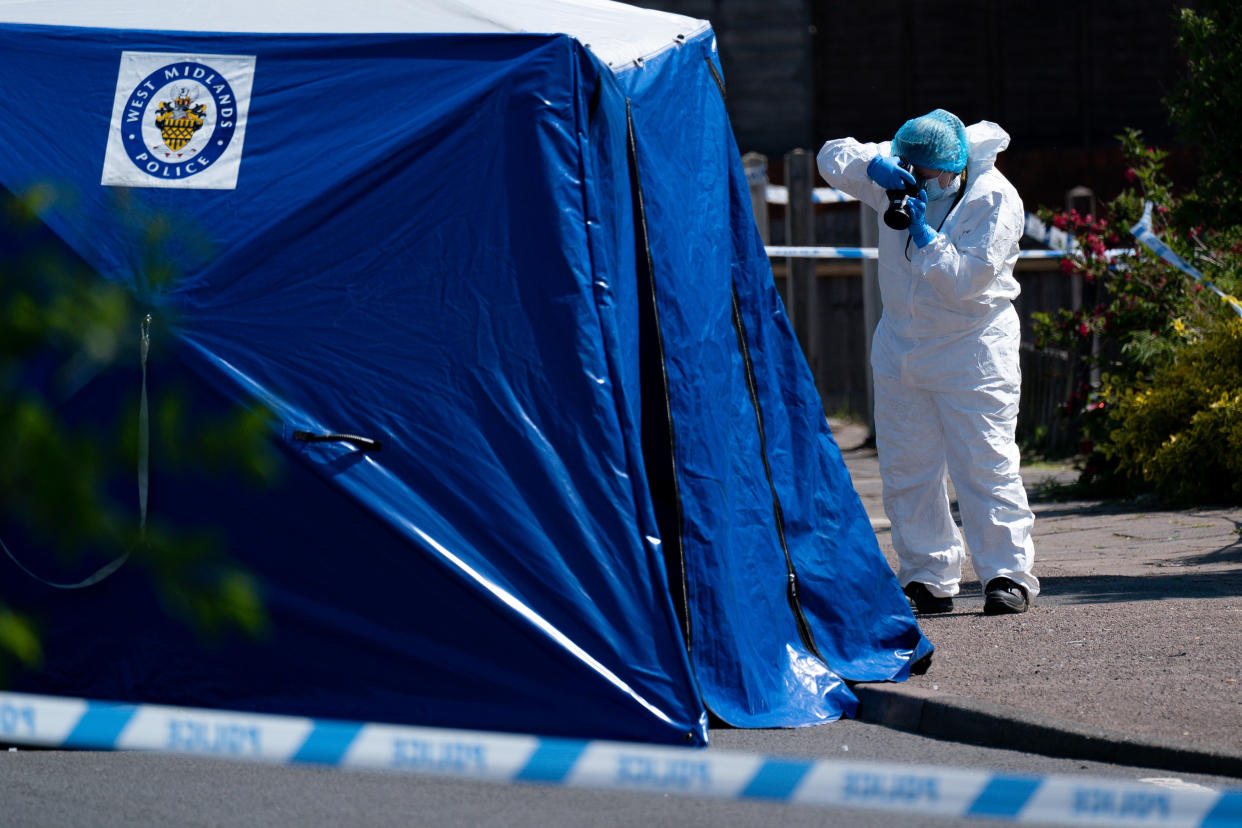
<point x="1139" y="319"/>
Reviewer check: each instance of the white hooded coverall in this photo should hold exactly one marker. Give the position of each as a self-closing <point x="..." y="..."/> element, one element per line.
<point x="945" y="362"/>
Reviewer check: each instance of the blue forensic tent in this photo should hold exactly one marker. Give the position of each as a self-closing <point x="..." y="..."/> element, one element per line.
<point x="511" y="242"/>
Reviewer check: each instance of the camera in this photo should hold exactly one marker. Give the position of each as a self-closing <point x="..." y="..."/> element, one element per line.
<point x="897" y="215"/>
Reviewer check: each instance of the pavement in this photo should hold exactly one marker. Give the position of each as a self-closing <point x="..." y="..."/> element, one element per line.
<point x="1132" y="653"/>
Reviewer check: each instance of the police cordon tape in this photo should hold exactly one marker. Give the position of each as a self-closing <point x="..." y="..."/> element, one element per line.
<point x="1053" y="237"/>
<point x="1147" y="237"/>
<point x="63" y="722"/>
<point x="795" y="252"/>
<point x="1062" y="243"/>
<point x="779" y="194"/>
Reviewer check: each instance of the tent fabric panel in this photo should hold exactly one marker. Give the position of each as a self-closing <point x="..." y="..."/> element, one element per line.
<point x="751" y="664"/>
<point x="612" y="236"/>
<point x="330" y="116"/>
<point x="361" y="626"/>
<point x="706" y="244"/>
<point x="435" y="290"/>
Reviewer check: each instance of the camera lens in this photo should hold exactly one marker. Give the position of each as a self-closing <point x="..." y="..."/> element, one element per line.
<point x="897" y="216"/>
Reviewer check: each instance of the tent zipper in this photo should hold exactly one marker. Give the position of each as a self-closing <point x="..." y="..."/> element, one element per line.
<point x="752" y="386"/>
<point x="795" y="605"/>
<point x="646" y="268"/>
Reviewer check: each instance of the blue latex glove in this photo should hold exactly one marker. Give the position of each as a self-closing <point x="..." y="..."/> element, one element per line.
<point x="919" y="231"/>
<point x="884" y="171"/>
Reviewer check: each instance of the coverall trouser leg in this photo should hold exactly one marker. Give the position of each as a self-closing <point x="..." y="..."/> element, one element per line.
<point x="913" y="464"/>
<point x="921" y="434"/>
<point x="983" y="460"/>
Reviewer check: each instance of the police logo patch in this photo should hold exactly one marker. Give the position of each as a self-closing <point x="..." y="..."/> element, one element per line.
<point x="178" y="120"/>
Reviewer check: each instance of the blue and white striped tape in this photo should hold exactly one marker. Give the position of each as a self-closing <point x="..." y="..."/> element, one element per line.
<point x="795" y="252"/>
<point x="779" y="194"/>
<point x="1060" y="242"/>
<point x="1147" y="237"/>
<point x="1055" y="799"/>
<point x="1053" y="237"/>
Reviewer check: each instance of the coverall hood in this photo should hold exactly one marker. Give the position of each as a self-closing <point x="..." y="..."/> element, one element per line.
<point x="987" y="140"/>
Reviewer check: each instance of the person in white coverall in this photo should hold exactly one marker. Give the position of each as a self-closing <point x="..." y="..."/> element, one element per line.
<point x="945" y="357"/>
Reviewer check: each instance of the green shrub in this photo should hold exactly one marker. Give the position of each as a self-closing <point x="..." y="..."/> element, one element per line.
<point x="1181" y="434"/>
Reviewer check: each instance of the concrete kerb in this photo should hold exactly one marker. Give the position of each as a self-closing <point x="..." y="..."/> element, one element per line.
<point x="987" y="724"/>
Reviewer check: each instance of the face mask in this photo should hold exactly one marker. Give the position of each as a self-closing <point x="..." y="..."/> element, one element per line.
<point x="935" y="192"/>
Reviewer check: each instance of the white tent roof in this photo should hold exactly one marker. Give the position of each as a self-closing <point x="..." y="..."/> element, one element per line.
<point x="617" y="33"/>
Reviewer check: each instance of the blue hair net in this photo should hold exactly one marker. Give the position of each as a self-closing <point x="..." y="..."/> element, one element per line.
<point x="936" y="140"/>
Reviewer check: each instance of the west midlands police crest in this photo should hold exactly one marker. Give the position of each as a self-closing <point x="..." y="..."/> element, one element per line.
<point x="178" y="120"/>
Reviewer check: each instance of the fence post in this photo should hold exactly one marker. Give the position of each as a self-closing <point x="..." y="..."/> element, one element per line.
<point x="756" y="166"/>
<point x="869" y="236"/>
<point x="800" y="231"/>
<point x="1082" y="199"/>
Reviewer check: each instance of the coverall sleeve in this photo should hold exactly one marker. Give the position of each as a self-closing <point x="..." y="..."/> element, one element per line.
<point x="843" y="164"/>
<point x="980" y="247"/>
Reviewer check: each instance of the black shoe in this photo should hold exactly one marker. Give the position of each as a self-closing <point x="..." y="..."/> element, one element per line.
<point x="922" y="601"/>
<point x="1003" y="596"/>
